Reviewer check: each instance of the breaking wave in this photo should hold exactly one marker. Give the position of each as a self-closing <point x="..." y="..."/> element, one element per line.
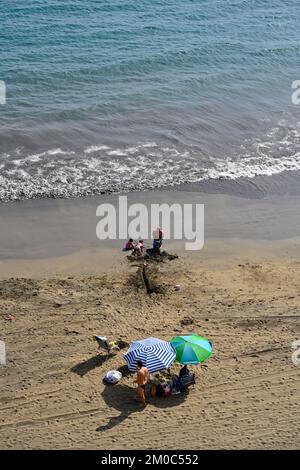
<point x="99" y="169"/>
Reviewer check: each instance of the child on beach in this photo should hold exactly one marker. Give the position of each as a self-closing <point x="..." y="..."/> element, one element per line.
<point x="138" y="248"/>
<point x="129" y="245"/>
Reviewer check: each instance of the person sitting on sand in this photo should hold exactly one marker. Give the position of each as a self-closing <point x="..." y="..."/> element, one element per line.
<point x="138" y="248"/>
<point x="129" y="245"/>
<point x="183" y="371"/>
<point x="141" y="380"/>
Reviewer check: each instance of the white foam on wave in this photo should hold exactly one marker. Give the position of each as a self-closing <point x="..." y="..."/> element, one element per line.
<point x="18" y="173"/>
<point x="37" y="157"/>
<point x="96" y="148"/>
<point x="149" y="144"/>
<point x="144" y="166"/>
<point x="59" y="151"/>
<point x="117" y="153"/>
<point x="249" y="168"/>
<point x="77" y="179"/>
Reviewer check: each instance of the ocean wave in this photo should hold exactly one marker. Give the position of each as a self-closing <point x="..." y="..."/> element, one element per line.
<point x="99" y="169"/>
<point x="95" y="148"/>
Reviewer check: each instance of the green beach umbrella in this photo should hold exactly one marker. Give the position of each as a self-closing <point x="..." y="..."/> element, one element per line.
<point x="191" y="349"/>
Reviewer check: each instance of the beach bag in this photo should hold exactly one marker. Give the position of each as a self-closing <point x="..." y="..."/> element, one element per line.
<point x="112" y="377"/>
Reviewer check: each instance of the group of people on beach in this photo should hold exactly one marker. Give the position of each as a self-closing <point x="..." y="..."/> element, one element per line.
<point x="138" y="249"/>
<point x="142" y="379"/>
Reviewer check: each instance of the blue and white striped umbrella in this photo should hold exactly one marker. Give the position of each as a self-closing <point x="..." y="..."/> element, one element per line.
<point x="154" y="353"/>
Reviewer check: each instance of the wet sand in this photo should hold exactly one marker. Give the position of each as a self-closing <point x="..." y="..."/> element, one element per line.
<point x="53" y="237"/>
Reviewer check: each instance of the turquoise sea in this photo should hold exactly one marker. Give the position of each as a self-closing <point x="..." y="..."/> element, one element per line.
<point x="122" y="95"/>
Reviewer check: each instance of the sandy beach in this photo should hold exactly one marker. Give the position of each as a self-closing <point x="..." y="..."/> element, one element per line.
<point x="176" y="117"/>
<point x="240" y="292"/>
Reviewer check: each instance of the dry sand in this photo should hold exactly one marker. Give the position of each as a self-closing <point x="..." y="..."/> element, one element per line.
<point x="241" y="291"/>
<point x="246" y="301"/>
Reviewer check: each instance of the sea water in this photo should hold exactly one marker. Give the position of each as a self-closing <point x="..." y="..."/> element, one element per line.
<point x="119" y="95"/>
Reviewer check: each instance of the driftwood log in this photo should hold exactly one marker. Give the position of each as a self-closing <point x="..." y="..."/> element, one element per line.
<point x="164" y="256"/>
<point x="148" y="269"/>
<point x="146" y="280"/>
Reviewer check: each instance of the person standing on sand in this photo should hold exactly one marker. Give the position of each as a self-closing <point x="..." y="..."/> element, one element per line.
<point x="157" y="241"/>
<point x="156" y="247"/>
<point x="141" y="380"/>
